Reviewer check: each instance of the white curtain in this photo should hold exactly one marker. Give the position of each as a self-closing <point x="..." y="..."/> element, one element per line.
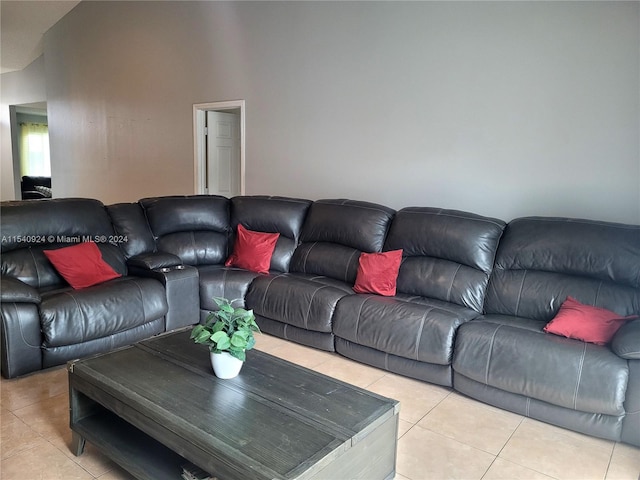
<point x="34" y="150"/>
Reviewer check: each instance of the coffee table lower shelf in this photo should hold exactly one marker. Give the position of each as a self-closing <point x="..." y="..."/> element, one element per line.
<point x="135" y="451"/>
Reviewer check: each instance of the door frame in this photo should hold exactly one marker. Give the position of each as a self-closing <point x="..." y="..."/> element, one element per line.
<point x="200" y="145"/>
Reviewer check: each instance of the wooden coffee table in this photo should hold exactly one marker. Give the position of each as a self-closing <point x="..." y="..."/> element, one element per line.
<point x="153" y="406"/>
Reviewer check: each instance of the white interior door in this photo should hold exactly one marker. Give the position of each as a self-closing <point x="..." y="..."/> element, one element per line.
<point x="223" y="169"/>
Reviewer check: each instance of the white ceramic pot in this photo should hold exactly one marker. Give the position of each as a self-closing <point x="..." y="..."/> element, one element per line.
<point x="225" y="365"/>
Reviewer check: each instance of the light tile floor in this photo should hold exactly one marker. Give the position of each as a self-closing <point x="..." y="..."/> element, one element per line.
<point x="442" y="435"/>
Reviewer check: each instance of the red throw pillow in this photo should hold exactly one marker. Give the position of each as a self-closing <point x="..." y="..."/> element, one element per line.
<point x="378" y="272"/>
<point x="253" y="250"/>
<point x="584" y="322"/>
<point x="81" y="265"/>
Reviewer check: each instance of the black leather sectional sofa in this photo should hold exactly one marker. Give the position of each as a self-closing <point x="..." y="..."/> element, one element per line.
<point x="473" y="293"/>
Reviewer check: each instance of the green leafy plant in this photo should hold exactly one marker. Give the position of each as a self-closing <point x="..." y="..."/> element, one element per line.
<point x="228" y="329"/>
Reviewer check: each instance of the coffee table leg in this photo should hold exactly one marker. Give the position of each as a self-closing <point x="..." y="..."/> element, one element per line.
<point x="77" y="444"/>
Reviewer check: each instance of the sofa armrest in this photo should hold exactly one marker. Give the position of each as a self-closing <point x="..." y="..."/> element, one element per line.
<point x="182" y="286"/>
<point x="13" y="290"/>
<point x="626" y="342"/>
<point x="20" y="338"/>
<point x="152" y="261"/>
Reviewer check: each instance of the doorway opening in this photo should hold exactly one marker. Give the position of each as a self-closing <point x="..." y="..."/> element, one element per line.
<point x="219" y="148"/>
<point x="30" y="150"/>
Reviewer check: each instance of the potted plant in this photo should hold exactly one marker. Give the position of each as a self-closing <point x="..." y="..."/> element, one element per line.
<point x="228" y="332"/>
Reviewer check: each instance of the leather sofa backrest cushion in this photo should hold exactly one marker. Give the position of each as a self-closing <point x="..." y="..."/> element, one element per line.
<point x="355" y="224"/>
<point x="31" y="266"/>
<point x="195" y="228"/>
<point x="334" y="234"/>
<point x="541" y="261"/>
<point x="29" y="227"/>
<point x="133" y="233"/>
<point x="28" y="223"/>
<point x="273" y="215"/>
<point x="448" y="254"/>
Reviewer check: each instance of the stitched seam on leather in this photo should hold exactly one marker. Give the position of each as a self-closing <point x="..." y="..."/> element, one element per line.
<point x="453" y="278"/>
<point x="35" y="264"/>
<point x="350" y="204"/>
<point x="24" y="340"/>
<point x="346" y="270"/>
<point x="386" y="361"/>
<point x="440" y="213"/>
<point x="6" y="344"/>
<point x="598" y="293"/>
<point x="224" y="283"/>
<point x="575" y="392"/>
<point x="527" y="408"/>
<point x="493" y="338"/>
<point x="284" y="332"/>
<point x="358" y="322"/>
<point x="520" y="293"/>
<point x="313" y="295"/>
<point x="82" y="315"/>
<point x="144" y="313"/>
<point x="306" y="255"/>
<point x="193" y="247"/>
<point x="264" y="295"/>
<point x="424" y="317"/>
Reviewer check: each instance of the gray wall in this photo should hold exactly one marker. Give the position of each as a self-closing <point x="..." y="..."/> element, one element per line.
<point x="504" y="109"/>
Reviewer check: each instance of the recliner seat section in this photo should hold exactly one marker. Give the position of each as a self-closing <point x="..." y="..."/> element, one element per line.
<point x="270" y="214"/>
<point x="504" y="358"/>
<point x="195" y="230"/>
<point x="44" y="321"/>
<point x="137" y="243"/>
<point x="71" y="325"/>
<point x="299" y="305"/>
<point x="447" y="259"/>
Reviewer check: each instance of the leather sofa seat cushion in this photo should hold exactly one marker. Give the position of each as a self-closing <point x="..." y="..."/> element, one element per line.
<point x="225" y="282"/>
<point x="304" y="301"/>
<point x="416" y="328"/>
<point x="75" y="316"/>
<point x="526" y="361"/>
<point x="52" y="356"/>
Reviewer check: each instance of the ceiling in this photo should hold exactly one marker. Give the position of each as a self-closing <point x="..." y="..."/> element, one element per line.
<point x="22" y="25"/>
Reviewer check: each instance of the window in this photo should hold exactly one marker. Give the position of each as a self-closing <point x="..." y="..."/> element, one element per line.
<point x="34" y="149"/>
